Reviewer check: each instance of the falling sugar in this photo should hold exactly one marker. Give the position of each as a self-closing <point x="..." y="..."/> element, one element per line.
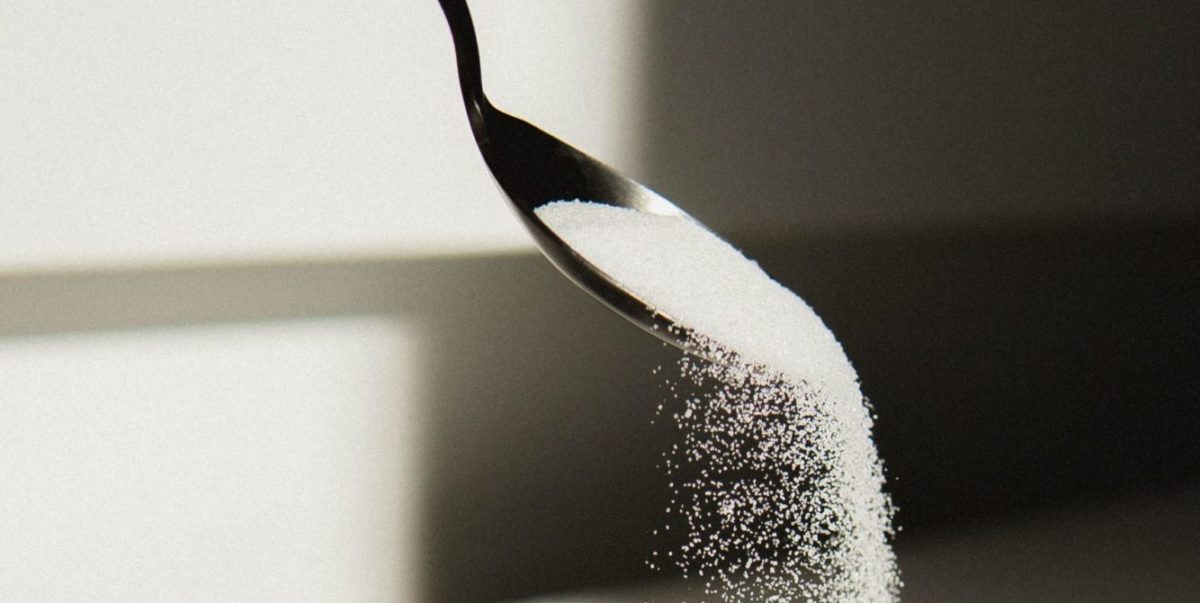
<point x="776" y="483"/>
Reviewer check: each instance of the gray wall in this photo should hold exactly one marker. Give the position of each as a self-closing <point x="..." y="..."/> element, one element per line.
<point x="849" y="115"/>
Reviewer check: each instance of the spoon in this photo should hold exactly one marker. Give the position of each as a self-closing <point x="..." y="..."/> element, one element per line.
<point x="534" y="168"/>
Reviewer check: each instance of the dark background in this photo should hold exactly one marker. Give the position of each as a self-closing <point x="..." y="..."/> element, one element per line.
<point x="993" y="204"/>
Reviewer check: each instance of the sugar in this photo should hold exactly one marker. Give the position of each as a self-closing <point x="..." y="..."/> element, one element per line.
<point x="776" y="483"/>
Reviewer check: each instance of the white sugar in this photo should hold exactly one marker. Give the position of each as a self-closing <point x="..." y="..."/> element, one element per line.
<point x="777" y="484"/>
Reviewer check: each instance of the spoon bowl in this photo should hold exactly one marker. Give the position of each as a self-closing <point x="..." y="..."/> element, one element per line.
<point x="533" y="168"/>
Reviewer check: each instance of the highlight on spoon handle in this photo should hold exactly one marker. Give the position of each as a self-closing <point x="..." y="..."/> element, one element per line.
<point x="466" y="49"/>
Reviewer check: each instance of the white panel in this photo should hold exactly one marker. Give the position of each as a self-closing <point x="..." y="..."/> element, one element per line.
<point x="259" y="462"/>
<point x="151" y="132"/>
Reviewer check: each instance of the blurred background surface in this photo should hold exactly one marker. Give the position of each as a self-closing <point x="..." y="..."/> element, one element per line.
<point x="267" y="330"/>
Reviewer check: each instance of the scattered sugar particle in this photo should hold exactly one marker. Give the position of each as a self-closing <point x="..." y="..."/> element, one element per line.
<point x="777" y="485"/>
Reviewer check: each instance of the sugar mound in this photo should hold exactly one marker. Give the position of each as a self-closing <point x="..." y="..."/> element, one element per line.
<point x="776" y="482"/>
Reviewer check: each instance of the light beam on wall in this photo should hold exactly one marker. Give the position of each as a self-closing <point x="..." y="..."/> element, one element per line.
<point x="258" y="462"/>
<point x="151" y="133"/>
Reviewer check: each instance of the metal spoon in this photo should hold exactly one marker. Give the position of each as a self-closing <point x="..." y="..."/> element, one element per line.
<point x="534" y="168"/>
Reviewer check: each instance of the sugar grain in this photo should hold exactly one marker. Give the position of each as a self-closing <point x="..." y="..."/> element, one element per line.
<point x="777" y="487"/>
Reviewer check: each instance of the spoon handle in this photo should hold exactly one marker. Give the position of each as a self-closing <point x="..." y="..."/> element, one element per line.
<point x="466" y="49"/>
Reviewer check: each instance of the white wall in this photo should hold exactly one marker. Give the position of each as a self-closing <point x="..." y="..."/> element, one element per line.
<point x="149" y="133"/>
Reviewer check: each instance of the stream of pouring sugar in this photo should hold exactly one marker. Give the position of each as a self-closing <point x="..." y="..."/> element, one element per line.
<point x="777" y="485"/>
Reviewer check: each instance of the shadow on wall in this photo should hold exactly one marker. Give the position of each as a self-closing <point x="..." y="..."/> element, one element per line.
<point x="1012" y="371"/>
<point x="853" y="115"/>
<point x="540" y="471"/>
